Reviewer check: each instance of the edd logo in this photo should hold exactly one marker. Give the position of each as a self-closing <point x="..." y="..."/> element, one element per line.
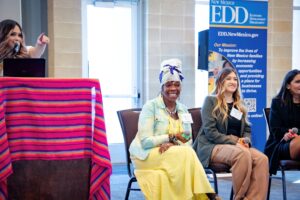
<point x="229" y="14"/>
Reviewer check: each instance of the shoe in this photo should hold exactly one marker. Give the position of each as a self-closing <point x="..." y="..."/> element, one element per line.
<point x="213" y="196"/>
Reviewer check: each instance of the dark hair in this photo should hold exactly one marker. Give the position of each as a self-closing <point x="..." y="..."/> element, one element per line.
<point x="6" y="26"/>
<point x="284" y="94"/>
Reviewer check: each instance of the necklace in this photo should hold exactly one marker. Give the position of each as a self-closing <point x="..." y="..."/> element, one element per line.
<point x="171" y="112"/>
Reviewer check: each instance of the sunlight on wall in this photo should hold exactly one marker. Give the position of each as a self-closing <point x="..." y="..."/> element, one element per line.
<point x="201" y="76"/>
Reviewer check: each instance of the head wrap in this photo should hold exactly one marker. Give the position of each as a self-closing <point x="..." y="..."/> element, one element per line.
<point x="170" y="70"/>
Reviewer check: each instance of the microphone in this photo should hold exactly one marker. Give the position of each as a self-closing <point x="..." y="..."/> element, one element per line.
<point x="16" y="48"/>
<point x="247" y="140"/>
<point x="294" y="130"/>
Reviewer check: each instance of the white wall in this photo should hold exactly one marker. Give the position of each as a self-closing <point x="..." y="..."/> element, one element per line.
<point x="10" y="9"/>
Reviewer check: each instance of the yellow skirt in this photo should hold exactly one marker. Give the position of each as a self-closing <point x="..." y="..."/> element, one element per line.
<point x="175" y="174"/>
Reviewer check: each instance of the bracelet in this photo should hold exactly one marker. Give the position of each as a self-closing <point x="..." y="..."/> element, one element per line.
<point x="186" y="136"/>
<point x="172" y="139"/>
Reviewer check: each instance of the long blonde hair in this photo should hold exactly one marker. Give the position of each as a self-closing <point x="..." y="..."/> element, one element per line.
<point x="221" y="108"/>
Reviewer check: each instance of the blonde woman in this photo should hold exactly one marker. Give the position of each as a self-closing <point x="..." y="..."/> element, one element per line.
<point x="225" y="138"/>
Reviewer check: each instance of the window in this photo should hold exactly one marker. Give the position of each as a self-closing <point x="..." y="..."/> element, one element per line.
<point x="111" y="54"/>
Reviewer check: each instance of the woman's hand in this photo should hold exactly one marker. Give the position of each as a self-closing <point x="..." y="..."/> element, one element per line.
<point x="43" y="39"/>
<point x="181" y="138"/>
<point x="40" y="46"/>
<point x="165" y="146"/>
<point x="242" y="142"/>
<point x="289" y="135"/>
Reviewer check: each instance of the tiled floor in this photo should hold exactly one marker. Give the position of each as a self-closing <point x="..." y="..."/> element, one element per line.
<point x="119" y="181"/>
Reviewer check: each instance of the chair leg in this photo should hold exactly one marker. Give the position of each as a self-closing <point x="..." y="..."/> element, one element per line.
<point x="283" y="184"/>
<point x="269" y="187"/>
<point x="231" y="193"/>
<point x="210" y="171"/>
<point x="215" y="182"/>
<point x="128" y="189"/>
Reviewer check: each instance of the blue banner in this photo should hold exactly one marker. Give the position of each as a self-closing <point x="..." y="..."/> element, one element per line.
<point x="241" y="13"/>
<point x="238" y="38"/>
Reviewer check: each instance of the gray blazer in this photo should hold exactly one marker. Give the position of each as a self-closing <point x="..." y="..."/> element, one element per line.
<point x="214" y="131"/>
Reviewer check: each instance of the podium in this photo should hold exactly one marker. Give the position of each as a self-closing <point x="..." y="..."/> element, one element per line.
<point x="53" y="142"/>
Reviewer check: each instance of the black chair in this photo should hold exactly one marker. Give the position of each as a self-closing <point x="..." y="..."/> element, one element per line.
<point x="213" y="168"/>
<point x="129" y="125"/>
<point x="284" y="165"/>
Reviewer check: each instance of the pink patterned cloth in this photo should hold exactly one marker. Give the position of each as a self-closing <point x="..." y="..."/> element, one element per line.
<point x="54" y="119"/>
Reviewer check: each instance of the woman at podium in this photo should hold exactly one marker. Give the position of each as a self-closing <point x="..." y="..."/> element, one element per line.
<point x="12" y="42"/>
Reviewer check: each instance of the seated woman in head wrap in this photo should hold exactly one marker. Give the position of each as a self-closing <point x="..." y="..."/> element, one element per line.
<point x="166" y="166"/>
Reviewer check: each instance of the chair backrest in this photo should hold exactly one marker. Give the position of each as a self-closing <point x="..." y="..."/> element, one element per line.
<point x="267" y="116"/>
<point x="129" y="124"/>
<point x="197" y="121"/>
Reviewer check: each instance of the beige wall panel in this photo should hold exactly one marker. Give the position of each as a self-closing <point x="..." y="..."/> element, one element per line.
<point x="67" y="4"/>
<point x="282" y="39"/>
<point x="189" y="36"/>
<point x="171" y="21"/>
<point x="154" y="21"/>
<point x="68" y="30"/>
<point x="169" y="35"/>
<point x="172" y="49"/>
<point x="172" y="7"/>
<point x="189" y="23"/>
<point x="189" y="8"/>
<point x="282" y="26"/>
<point x="282" y="14"/>
<point x="282" y="52"/>
<point x="66" y="38"/>
<point x="154" y="34"/>
<point x="152" y="7"/>
<point x="154" y="62"/>
<point x="68" y="45"/>
<point x="281" y="3"/>
<point x="68" y="60"/>
<point x="154" y="49"/>
<point x="71" y="15"/>
<point x="67" y="72"/>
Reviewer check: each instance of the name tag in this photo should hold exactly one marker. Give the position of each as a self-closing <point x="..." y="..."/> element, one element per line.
<point x="236" y="113"/>
<point x="187" y="118"/>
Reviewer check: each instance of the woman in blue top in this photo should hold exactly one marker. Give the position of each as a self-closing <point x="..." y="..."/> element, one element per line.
<point x="166" y="166"/>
